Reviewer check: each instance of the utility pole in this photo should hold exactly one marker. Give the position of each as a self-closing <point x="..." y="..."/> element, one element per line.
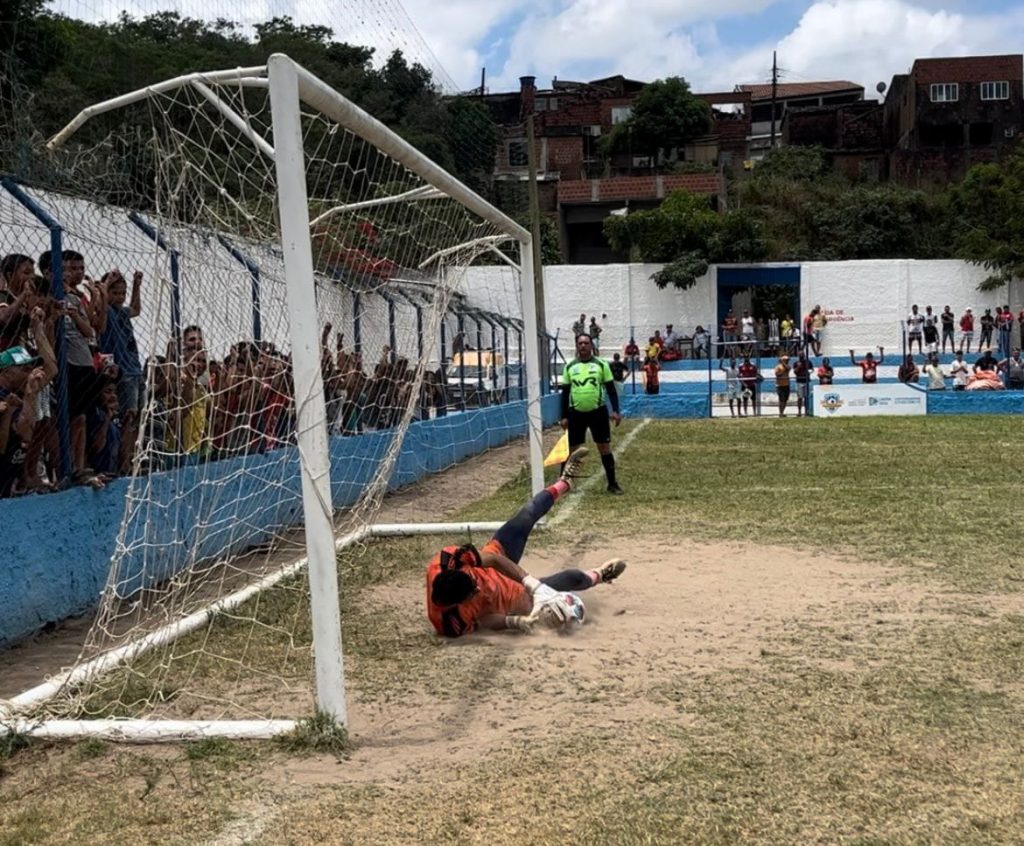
<point x="538" y="264"/>
<point x="775" y="92"/>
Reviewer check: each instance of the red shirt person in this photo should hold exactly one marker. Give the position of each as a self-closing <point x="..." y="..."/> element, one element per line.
<point x="869" y="366"/>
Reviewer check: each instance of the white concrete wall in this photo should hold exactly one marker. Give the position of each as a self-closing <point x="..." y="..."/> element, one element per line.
<point x="867" y="300"/>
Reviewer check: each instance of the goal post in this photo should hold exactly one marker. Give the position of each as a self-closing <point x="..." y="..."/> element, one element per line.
<point x="312" y="91"/>
<point x="275" y="165"/>
<point x="317" y="509"/>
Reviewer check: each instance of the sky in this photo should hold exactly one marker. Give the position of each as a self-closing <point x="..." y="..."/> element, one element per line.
<point x="714" y="44"/>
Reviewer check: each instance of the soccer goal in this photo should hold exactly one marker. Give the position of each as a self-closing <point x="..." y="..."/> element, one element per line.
<point x="310" y="305"/>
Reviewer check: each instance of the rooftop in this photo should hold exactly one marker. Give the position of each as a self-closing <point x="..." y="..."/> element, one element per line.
<point x="786" y="90"/>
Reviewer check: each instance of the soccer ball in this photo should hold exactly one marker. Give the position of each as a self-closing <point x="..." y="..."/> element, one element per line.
<point x="576" y="613"/>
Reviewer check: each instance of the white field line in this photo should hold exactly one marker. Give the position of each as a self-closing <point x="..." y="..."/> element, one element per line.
<point x="567" y="510"/>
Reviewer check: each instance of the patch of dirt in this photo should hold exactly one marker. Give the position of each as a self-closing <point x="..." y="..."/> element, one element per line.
<point x="681" y="610"/>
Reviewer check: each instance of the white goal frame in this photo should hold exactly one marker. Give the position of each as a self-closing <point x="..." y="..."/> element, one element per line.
<point x="290" y="87"/>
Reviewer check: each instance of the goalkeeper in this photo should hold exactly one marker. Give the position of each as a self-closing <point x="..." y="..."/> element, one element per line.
<point x="470" y="589"/>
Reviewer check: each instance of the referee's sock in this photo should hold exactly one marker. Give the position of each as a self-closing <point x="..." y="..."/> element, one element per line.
<point x="608" y="460"/>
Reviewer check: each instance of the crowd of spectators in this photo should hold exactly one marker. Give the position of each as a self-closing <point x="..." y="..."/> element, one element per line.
<point x="190" y="407"/>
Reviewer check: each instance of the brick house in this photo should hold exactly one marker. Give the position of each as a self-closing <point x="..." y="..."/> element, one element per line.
<point x="789" y="95"/>
<point x="852" y="133"/>
<point x="578" y="186"/>
<point x="947" y="114"/>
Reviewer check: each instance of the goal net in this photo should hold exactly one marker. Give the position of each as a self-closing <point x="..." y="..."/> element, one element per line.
<point x="308" y="339"/>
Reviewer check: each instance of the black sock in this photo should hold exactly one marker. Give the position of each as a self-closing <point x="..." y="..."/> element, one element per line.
<point x="608" y="460"/>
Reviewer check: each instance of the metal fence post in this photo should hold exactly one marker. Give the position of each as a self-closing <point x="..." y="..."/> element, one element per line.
<point x="57" y="290"/>
<point x="175" y="258"/>
<point x="254" y="284"/>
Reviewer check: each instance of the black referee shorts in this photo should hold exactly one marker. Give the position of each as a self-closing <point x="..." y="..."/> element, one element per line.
<point x="597" y="421"/>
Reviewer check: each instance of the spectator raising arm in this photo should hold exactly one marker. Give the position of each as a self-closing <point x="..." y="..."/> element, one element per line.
<point x="43" y="346"/>
<point x="136" y="301"/>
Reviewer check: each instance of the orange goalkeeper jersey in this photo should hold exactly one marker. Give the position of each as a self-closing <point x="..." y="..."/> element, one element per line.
<point x="495" y="594"/>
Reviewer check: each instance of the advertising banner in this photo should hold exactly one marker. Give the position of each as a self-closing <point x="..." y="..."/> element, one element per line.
<point x="868" y="400"/>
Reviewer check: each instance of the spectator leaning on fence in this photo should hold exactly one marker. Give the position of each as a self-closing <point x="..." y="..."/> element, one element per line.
<point x="17" y="293"/>
<point x="79" y="342"/>
<point x="21" y="380"/>
<point x="117" y="339"/>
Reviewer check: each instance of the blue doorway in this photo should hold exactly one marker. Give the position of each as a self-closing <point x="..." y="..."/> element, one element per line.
<point x="760" y="289"/>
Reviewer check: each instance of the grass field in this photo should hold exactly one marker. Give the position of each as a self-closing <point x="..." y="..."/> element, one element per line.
<point x="867" y="690"/>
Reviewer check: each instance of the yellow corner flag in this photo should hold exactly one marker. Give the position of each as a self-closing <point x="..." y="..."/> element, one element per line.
<point x="559" y="452"/>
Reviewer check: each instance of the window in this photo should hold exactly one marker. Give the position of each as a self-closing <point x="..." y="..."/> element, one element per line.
<point x="620" y="114"/>
<point x="518" y="154"/>
<point x="995" y="90"/>
<point x="980" y="134"/>
<point x="945" y="92"/>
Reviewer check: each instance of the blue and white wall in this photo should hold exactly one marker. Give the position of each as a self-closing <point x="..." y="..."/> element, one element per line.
<point x="868" y="299"/>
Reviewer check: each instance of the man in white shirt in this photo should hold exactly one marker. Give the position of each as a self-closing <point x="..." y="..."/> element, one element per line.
<point x="671" y="338"/>
<point x="747" y="332"/>
<point x="915" y="322"/>
<point x="936" y="378"/>
<point x="959" y="371"/>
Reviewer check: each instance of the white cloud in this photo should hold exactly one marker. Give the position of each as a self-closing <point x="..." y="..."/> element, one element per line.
<point x="868" y="41"/>
<point x="863" y="40"/>
<point x="588" y="38"/>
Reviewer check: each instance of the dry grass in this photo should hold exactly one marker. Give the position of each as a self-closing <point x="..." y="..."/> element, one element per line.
<point x="856" y="726"/>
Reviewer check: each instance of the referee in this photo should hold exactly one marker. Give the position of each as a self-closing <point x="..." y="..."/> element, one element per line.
<point x="586" y="381"/>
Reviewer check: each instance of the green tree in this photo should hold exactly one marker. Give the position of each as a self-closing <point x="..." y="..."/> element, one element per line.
<point x="666" y="117"/>
<point x="808" y="212"/>
<point x="686" y="234"/>
<point x="988" y="207"/>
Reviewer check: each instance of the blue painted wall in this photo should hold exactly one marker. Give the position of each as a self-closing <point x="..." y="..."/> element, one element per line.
<point x="976" y="402"/>
<point x="55" y="549"/>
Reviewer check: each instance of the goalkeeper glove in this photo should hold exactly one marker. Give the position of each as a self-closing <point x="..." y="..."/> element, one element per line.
<point x="520" y="622"/>
<point x="540" y="592"/>
<point x="554" y="610"/>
